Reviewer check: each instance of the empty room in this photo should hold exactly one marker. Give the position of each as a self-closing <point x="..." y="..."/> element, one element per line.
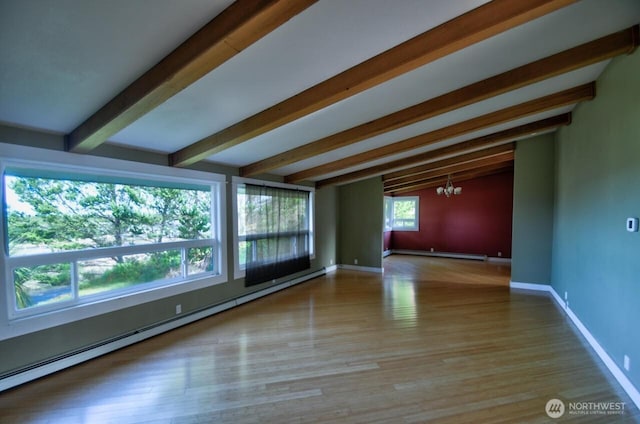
<point x="319" y="211"/>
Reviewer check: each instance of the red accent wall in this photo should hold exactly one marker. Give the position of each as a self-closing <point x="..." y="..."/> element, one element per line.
<point x="477" y="222"/>
<point x="387" y="240"/>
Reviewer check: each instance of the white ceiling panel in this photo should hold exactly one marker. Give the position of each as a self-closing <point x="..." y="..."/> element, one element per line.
<point x="62" y="60"/>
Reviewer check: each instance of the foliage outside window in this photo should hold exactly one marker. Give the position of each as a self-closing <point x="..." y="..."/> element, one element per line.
<point x="401" y="213"/>
<point x="75" y="238"/>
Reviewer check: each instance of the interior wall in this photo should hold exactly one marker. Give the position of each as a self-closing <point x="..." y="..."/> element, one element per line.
<point x="595" y="260"/>
<point x="533" y="198"/>
<point x="361" y="214"/>
<point x="326" y="226"/>
<point x="476" y="222"/>
<point x="22" y="351"/>
<point x="386" y="240"/>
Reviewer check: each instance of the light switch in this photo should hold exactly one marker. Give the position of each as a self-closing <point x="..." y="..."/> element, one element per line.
<point x="632" y="225"/>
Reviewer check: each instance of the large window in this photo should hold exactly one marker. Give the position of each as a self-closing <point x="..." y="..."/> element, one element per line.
<point x="74" y="236"/>
<point x="273" y="229"/>
<point x="401" y="213"/>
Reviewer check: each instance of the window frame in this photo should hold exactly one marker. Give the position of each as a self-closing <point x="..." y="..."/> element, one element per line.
<point x="238" y="269"/>
<point x="389" y="209"/>
<point x="15" y="322"/>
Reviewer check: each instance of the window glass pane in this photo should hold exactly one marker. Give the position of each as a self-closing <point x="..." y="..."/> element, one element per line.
<point x="42" y="285"/>
<point x="291" y="212"/>
<point x="51" y="215"/>
<point x="282" y="212"/>
<point x="200" y="260"/>
<point x="404" y="209"/>
<point x="242" y="251"/>
<point x="388" y="212"/>
<point x="401" y="213"/>
<point x="107" y="274"/>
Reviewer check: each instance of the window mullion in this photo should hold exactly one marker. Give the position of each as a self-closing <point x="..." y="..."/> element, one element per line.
<point x="75" y="285"/>
<point x="184" y="262"/>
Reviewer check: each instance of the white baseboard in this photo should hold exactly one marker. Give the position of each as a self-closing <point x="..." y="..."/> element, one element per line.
<point x="331" y="268"/>
<point x="499" y="260"/>
<point x="530" y="286"/>
<point x="613" y="368"/>
<point x="387" y="253"/>
<point x="57" y="364"/>
<point x="361" y="268"/>
<point x="439" y="254"/>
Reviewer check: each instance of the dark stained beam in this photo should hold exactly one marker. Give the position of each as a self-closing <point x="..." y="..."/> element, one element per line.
<point x="566" y="61"/>
<point x="542" y="104"/>
<point x="232" y="31"/>
<point x="476" y="25"/>
<point x="456" y="149"/>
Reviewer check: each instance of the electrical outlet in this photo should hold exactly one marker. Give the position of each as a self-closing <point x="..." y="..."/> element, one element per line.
<point x="432" y="249"/>
<point x="566" y="295"/>
<point x="627" y="363"/>
<point x="355" y="261"/>
<point x="499" y="254"/>
<point x="330" y="261"/>
<point x="178" y="309"/>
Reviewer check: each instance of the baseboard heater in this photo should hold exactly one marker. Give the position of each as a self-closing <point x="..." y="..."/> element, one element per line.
<point x="58" y="363"/>
<point x="439" y="254"/>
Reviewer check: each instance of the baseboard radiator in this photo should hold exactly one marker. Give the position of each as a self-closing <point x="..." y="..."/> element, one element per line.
<point x="58" y="363"/>
<point x="438" y="254"/>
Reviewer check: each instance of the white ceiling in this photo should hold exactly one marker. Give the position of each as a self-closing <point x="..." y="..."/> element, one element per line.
<point x="62" y="60"/>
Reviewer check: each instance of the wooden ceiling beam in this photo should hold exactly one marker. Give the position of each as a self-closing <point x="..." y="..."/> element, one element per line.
<point x="232" y="31"/>
<point x="566" y="61"/>
<point x="458" y="177"/>
<point x="474" y="26"/>
<point x="451" y="169"/>
<point x="456" y="149"/>
<point x="410" y="174"/>
<point x="539" y="105"/>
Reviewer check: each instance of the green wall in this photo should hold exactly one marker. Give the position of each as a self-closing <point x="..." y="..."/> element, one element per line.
<point x="533" y="197"/>
<point x="31" y="348"/>
<point x="595" y="260"/>
<point x="361" y="214"/>
<point x="326" y="226"/>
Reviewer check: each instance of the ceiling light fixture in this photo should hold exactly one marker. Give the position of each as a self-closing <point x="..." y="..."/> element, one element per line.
<point x="449" y="189"/>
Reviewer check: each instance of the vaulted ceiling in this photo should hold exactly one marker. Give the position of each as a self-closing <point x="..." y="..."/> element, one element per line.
<point x="330" y="91"/>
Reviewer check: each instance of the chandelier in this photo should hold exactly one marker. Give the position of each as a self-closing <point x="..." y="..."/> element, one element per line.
<point x="448" y="189"/>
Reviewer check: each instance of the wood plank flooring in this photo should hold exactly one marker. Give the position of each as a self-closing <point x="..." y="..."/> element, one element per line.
<point x="431" y="340"/>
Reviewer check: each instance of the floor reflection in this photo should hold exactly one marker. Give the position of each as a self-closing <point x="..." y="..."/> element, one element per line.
<point x="400" y="300"/>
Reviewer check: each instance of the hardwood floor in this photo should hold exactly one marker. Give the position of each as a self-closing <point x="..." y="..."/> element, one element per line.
<point x="431" y="340"/>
